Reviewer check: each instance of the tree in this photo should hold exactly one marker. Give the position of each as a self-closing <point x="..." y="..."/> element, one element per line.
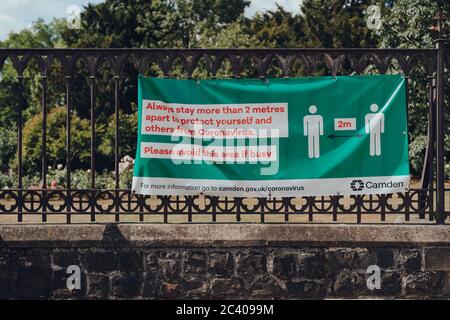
<point x="338" y="24"/>
<point x="8" y="145"/>
<point x="113" y="23"/>
<point x="278" y="28"/>
<point x="406" y="25"/>
<point x="40" y="35"/>
<point x="128" y="127"/>
<point x="125" y="24"/>
<point x="197" y="18"/>
<point x="151" y="24"/>
<point x="226" y="11"/>
<point x="56" y="146"/>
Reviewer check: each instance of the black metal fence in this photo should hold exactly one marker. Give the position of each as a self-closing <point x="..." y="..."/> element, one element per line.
<point x="425" y="202"/>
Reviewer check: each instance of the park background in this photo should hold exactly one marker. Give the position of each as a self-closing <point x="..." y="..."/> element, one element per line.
<point x="185" y="24"/>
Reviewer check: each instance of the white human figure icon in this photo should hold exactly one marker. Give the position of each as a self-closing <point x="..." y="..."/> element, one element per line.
<point x="313" y="129"/>
<point x="374" y="125"/>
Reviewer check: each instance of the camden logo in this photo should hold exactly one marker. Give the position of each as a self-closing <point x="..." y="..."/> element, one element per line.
<point x="357" y="185"/>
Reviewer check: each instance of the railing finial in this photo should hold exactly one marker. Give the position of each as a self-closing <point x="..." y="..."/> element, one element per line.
<point x="440" y="26"/>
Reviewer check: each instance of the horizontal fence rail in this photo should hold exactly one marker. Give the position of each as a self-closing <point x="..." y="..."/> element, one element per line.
<point x="423" y="202"/>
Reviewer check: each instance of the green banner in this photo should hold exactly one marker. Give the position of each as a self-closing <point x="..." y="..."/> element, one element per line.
<point x="274" y="137"/>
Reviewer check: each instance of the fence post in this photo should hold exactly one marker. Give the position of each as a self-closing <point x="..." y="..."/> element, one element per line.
<point x="440" y="122"/>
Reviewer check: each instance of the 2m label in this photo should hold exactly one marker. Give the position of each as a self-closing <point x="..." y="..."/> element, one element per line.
<point x="341" y="124"/>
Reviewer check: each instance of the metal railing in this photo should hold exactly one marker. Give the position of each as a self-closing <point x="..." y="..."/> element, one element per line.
<point x="425" y="202"/>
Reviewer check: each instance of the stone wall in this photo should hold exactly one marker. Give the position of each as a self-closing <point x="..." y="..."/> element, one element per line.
<point x="223" y="261"/>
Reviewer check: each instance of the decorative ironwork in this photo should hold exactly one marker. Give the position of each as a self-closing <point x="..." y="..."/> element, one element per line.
<point x="260" y="63"/>
<point x="104" y="202"/>
<point x="287" y="60"/>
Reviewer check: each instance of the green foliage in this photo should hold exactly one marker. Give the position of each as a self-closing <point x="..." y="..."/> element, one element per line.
<point x="56" y="145"/>
<point x="417" y="152"/>
<point x="116" y="23"/>
<point x="7" y="181"/>
<point x="234" y="35"/>
<point x="9" y="98"/>
<point x="8" y="146"/>
<point x="126" y="178"/>
<point x="337" y="24"/>
<point x="406" y="25"/>
<point x="198" y="20"/>
<point x="40" y="35"/>
<point x="128" y="124"/>
<point x="80" y="179"/>
<point x="149" y="24"/>
<point x="278" y="29"/>
<point x="227" y="11"/>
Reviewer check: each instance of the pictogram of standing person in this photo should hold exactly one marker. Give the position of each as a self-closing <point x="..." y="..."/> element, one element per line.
<point x="374" y="125"/>
<point x="313" y="129"/>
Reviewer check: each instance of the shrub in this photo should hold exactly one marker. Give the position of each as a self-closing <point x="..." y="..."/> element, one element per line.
<point x="7" y="181"/>
<point x="8" y="147"/>
<point x="128" y="124"/>
<point x="56" y="144"/>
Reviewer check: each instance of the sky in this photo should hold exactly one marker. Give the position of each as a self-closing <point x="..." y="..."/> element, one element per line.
<point x="16" y="15"/>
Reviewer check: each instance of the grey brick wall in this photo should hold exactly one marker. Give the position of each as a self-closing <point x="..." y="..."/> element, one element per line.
<point x="117" y="267"/>
<point x="219" y="272"/>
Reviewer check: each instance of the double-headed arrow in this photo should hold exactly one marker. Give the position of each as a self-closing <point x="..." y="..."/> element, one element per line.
<point x="333" y="136"/>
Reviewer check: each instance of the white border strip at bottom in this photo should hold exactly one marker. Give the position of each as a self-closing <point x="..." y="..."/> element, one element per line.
<point x="273" y="188"/>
